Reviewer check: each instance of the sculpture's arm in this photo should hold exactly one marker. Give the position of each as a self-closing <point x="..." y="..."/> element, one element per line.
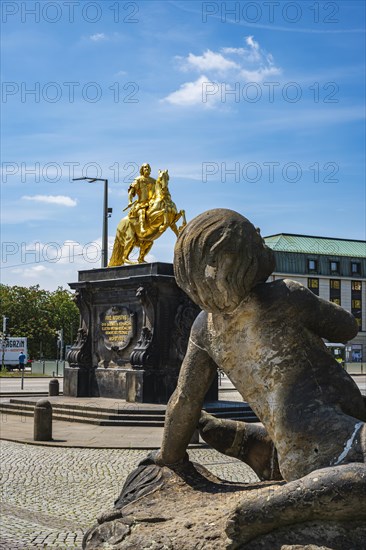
<point x="132" y="191"/>
<point x="184" y="407"/>
<point x="326" y="319"/>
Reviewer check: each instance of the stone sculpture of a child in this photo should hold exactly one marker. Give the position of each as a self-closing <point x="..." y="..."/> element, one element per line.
<point x="267" y="338"/>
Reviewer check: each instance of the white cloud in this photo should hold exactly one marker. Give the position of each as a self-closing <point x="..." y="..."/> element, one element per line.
<point x="51" y="264"/>
<point x="35" y="271"/>
<point x="238" y="51"/>
<point x="226" y="68"/>
<point x="103" y="37"/>
<point x="194" y="93"/>
<point x="209" y="61"/>
<point x="258" y="75"/>
<point x="60" y="200"/>
<point x="97" y="37"/>
<point x="252" y="43"/>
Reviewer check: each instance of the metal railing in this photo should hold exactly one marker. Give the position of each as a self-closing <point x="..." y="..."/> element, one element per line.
<point x="49" y="368"/>
<point x="355" y="368"/>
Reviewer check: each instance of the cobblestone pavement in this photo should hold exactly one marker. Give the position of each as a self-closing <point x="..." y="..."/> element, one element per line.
<point x="50" y="495"/>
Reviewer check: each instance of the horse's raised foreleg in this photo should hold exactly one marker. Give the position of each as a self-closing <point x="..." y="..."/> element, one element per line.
<point x="182" y="214"/>
<point x="173" y="225"/>
<point x="174" y="228"/>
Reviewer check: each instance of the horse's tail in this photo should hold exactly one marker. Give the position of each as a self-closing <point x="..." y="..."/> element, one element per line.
<point x="117" y="253"/>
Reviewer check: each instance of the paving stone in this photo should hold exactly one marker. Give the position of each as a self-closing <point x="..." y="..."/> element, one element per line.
<point x="52" y="495"/>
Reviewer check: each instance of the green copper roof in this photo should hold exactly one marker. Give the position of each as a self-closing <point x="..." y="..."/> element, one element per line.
<point x="306" y="244"/>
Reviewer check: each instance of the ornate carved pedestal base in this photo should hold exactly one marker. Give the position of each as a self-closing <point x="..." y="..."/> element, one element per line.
<point x="135" y="324"/>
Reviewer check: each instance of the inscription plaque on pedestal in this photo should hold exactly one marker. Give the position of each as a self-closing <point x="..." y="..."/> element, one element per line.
<point x="117" y="327"/>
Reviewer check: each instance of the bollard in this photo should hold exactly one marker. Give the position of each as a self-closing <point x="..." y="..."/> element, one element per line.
<point x="43" y="421"/>
<point x="54" y="387"/>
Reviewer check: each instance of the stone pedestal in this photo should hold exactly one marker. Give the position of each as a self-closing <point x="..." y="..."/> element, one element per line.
<point x="133" y="335"/>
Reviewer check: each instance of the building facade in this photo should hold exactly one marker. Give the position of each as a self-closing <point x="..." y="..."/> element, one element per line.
<point x="334" y="269"/>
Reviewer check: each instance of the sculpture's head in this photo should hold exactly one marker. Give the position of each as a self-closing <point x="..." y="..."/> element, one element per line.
<point x="145" y="169"/>
<point x="219" y="257"/>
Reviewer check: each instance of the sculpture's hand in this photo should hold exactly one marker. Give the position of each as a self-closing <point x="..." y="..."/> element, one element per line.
<point x="148" y="476"/>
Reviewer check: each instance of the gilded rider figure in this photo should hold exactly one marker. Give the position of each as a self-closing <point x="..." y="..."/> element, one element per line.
<point x="143" y="186"/>
<point x="150" y="214"/>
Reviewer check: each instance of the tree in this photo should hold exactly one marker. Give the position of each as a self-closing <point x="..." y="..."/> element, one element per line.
<point x="38" y="314"/>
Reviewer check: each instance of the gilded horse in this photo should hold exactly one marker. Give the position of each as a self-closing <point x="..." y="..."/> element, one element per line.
<point x="160" y="214"/>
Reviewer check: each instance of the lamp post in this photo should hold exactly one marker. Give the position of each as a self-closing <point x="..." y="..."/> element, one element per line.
<point x="106" y="213"/>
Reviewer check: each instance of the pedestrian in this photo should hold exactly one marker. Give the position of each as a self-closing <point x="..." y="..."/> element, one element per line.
<point x="22" y="357"/>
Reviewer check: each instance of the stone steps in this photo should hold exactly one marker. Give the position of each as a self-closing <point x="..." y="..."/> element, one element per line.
<point x="136" y="415"/>
<point x="87" y="415"/>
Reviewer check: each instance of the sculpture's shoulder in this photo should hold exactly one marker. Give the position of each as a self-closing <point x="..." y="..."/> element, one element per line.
<point x="293" y="286"/>
<point x="135" y="184"/>
<point x="280" y="288"/>
<point x="299" y="294"/>
<point x="137" y="181"/>
<point x="282" y="293"/>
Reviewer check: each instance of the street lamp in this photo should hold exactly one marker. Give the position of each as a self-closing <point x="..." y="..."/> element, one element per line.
<point x="106" y="214"/>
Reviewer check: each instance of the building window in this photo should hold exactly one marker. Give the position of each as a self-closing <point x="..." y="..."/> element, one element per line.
<point x="355" y="268"/>
<point x="359" y="322"/>
<point x="335" y="284"/>
<point x="312" y="265"/>
<point x="356" y="302"/>
<point x="356" y="286"/>
<point x="313" y="285"/>
<point x="356" y="353"/>
<point x="334" y="267"/>
<point x="335" y="291"/>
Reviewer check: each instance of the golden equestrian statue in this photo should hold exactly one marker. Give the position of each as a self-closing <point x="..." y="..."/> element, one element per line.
<point x="150" y="215"/>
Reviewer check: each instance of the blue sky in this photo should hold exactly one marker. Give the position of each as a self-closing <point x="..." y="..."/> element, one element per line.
<point x="254" y="106"/>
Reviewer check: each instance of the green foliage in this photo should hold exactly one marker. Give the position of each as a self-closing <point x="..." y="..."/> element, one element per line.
<point x="37" y="314"/>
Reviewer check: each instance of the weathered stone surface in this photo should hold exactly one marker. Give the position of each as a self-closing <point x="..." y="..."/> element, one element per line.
<point x="192" y="509"/>
<point x="328" y="495"/>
